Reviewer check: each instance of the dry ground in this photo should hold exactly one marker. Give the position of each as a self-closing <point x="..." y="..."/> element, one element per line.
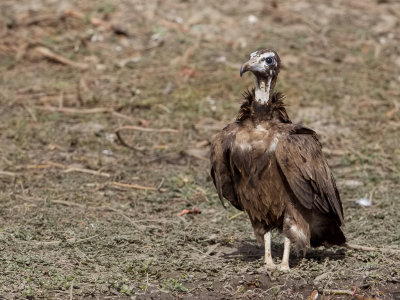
<point x="70" y="228"/>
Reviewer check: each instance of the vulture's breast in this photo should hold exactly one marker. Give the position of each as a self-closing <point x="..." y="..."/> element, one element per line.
<point x="256" y="175"/>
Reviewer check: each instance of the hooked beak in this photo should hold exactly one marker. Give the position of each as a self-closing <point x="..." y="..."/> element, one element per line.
<point x="248" y="66"/>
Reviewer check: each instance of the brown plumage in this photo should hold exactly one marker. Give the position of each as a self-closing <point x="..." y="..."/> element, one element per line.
<point x="275" y="170"/>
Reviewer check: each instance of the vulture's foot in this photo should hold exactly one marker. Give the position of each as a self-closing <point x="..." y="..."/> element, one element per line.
<point x="267" y="267"/>
<point x="270" y="266"/>
<point x="284" y="266"/>
<point x="269" y="263"/>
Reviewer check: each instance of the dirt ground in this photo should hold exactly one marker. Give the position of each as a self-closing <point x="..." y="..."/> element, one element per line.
<point x="82" y="215"/>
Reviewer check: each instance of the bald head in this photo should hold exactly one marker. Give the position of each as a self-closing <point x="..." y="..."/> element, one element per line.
<point x="263" y="63"/>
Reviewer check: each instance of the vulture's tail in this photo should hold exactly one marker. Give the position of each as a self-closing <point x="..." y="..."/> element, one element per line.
<point x="325" y="231"/>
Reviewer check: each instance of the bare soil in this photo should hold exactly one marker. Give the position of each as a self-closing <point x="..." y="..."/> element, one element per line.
<point x="82" y="215"/>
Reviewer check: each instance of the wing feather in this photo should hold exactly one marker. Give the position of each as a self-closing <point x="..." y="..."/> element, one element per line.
<point x="220" y="170"/>
<point x="300" y="157"/>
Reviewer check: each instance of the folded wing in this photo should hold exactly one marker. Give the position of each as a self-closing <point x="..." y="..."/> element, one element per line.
<point x="305" y="169"/>
<point x="220" y="170"/>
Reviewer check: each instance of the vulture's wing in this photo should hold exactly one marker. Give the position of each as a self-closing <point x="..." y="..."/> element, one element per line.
<point x="300" y="158"/>
<point x="220" y="171"/>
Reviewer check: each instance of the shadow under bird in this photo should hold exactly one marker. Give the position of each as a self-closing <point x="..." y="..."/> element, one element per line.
<point x="275" y="170"/>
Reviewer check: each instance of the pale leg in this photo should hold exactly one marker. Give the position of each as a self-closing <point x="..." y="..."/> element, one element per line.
<point x="284" y="266"/>
<point x="269" y="263"/>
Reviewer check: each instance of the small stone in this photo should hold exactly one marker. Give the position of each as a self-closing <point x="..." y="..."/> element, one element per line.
<point x="365" y="202"/>
<point x="252" y="19"/>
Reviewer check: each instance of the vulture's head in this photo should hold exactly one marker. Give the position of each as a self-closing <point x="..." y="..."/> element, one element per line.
<point x="264" y="64"/>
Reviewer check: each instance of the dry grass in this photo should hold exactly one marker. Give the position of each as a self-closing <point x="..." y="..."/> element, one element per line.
<point x="81" y="215"/>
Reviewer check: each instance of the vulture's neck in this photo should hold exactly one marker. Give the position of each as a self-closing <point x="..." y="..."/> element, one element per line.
<point x="262" y="104"/>
<point x="263" y="90"/>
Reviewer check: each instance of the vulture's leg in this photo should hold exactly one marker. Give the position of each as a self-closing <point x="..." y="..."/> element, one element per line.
<point x="269" y="263"/>
<point x="284" y="266"/>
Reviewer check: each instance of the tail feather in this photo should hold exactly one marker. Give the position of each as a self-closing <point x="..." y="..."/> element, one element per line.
<point x="325" y="231"/>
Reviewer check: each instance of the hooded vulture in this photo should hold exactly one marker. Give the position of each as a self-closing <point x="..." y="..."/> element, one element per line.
<point x="275" y="170"/>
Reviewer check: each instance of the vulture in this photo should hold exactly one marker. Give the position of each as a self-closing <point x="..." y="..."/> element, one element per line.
<point x="275" y="170"/>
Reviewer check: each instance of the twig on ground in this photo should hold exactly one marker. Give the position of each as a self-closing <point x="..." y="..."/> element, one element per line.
<point x="322" y="276"/>
<point x="70" y="290"/>
<point x="346" y="292"/>
<point x="274" y="286"/>
<point x="125" y="144"/>
<point x="146" y="129"/>
<point x="366" y="248"/>
<point x="138" y="128"/>
<point x="46" y="52"/>
<point x="68" y="169"/>
<point x="122" y="116"/>
<point x="10" y="174"/>
<point x="236" y="215"/>
<point x="69" y="110"/>
<point x="160" y="184"/>
<point x="196" y="153"/>
<point x="87" y="171"/>
<point x="337" y="292"/>
<point x="84" y="111"/>
<point x="31" y="112"/>
<point x="42" y="166"/>
<point x="147" y="282"/>
<point x="132" y="186"/>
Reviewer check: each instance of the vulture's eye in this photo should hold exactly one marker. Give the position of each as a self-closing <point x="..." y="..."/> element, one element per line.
<point x="269" y="60"/>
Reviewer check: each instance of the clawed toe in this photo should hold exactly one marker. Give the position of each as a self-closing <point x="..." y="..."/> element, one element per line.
<point x="267" y="267"/>
<point x="270" y="266"/>
<point x="269" y="263"/>
<point x="283" y="268"/>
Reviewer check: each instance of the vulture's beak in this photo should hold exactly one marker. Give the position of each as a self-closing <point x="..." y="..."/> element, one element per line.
<point x="251" y="65"/>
